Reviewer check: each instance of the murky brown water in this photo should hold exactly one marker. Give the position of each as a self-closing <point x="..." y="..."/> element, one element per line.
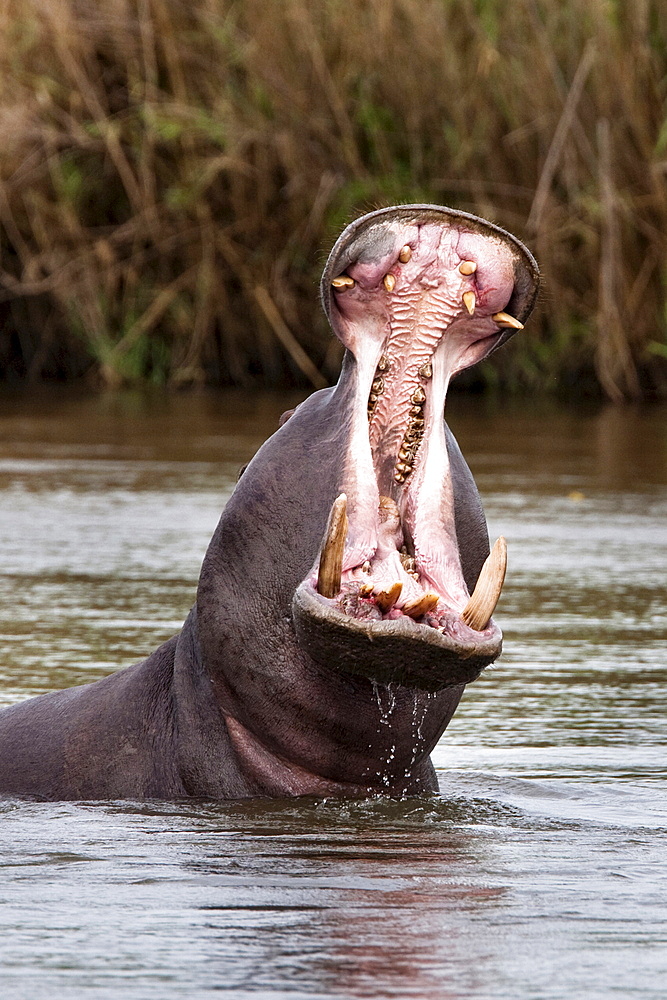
<point x="541" y="872"/>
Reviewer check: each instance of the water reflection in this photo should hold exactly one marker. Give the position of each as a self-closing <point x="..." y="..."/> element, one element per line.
<point x="541" y="870"/>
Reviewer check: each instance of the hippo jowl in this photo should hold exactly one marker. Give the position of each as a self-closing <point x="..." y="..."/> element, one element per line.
<point x="350" y="569"/>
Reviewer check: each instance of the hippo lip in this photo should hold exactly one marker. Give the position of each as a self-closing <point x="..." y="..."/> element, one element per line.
<point x="416" y="294"/>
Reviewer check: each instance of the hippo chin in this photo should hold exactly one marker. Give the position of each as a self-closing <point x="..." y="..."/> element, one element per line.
<point x="334" y="628"/>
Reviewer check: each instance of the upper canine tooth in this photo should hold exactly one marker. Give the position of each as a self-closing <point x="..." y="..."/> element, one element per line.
<point x="331" y="558"/>
<point x="405" y="254"/>
<point x="469" y="301"/>
<point x="504" y="319"/>
<point x="389" y="282"/>
<point x="343" y="281"/>
<point x="467" y="267"/>
<point x="421" y="605"/>
<point x="482" y="603"/>
<point x="386" y="599"/>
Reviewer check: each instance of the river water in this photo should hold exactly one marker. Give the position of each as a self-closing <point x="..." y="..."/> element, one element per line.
<point x="540" y="873"/>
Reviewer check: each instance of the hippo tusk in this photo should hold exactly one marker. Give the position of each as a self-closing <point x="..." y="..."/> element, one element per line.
<point x="504" y="319"/>
<point x="482" y="603"/>
<point x="331" y="559"/>
<point x="469" y="301"/>
<point x="386" y="599"/>
<point x="342" y="282"/>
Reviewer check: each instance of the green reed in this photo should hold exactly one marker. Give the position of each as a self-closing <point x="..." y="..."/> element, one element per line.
<point x="173" y="173"/>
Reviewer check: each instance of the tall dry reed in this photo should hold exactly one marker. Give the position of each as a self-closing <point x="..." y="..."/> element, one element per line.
<point x="172" y="173"/>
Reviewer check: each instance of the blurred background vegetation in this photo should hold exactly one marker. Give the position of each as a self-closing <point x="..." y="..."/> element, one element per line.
<point x="172" y="175"/>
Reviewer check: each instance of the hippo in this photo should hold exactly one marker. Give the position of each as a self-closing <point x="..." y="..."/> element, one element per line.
<point x="347" y="594"/>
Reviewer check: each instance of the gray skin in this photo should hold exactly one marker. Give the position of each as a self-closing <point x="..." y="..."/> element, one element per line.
<point x="233" y="706"/>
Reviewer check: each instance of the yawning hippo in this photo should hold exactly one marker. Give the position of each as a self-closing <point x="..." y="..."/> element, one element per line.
<point x="334" y="630"/>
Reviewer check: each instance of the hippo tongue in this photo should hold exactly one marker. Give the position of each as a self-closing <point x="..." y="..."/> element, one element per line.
<point x="417" y="302"/>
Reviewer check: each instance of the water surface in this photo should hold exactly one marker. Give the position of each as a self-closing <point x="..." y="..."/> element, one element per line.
<point x="540" y="873"/>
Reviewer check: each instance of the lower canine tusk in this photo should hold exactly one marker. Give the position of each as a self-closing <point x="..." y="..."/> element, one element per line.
<point x="482" y="604"/>
<point x="331" y="559"/>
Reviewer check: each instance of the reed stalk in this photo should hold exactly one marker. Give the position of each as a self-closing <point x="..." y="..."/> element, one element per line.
<point x="172" y="175"/>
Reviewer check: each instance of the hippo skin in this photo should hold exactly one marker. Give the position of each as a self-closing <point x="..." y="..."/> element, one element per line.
<point x="295" y="677"/>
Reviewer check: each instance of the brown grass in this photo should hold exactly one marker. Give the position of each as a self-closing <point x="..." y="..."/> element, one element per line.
<point x="172" y="174"/>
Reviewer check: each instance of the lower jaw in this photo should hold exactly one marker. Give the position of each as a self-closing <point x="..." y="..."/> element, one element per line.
<point x="399" y="651"/>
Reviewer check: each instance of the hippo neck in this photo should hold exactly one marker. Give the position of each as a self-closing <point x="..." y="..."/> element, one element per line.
<point x="321" y="725"/>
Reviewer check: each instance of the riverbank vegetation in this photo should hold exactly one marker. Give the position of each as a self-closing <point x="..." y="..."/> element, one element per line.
<point x="172" y="175"/>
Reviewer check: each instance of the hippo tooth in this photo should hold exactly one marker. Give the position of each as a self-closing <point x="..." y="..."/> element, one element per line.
<point x="418" y="396"/>
<point x="342" y="282"/>
<point x="389" y="282"/>
<point x="469" y="301"/>
<point x="405" y="254"/>
<point x="331" y="559"/>
<point x="421" y="605"/>
<point x="426" y="371"/>
<point x="482" y="604"/>
<point x="467" y="267"/>
<point x="504" y="319"/>
<point x="386" y="599"/>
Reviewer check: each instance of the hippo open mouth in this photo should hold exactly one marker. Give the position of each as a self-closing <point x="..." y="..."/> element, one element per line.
<point x="417" y="294"/>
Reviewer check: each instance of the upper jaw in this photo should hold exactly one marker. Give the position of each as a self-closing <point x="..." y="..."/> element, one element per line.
<point x="416" y="294"/>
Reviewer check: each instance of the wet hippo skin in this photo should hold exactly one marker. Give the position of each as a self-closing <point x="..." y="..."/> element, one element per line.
<point x="340" y="575"/>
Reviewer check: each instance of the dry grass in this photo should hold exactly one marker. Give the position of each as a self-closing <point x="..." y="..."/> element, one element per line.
<point x="172" y="173"/>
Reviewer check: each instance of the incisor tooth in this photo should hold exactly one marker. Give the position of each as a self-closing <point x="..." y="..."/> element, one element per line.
<point x="467" y="267"/>
<point x="386" y="599"/>
<point x="504" y="319"/>
<point x="469" y="301"/>
<point x="421" y="605"/>
<point x="405" y="254"/>
<point x="331" y="559"/>
<point x="389" y="282"/>
<point x="482" y="603"/>
<point x="343" y="281"/>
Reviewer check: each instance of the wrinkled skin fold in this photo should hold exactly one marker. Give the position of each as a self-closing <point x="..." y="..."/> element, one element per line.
<point x="334" y="629"/>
